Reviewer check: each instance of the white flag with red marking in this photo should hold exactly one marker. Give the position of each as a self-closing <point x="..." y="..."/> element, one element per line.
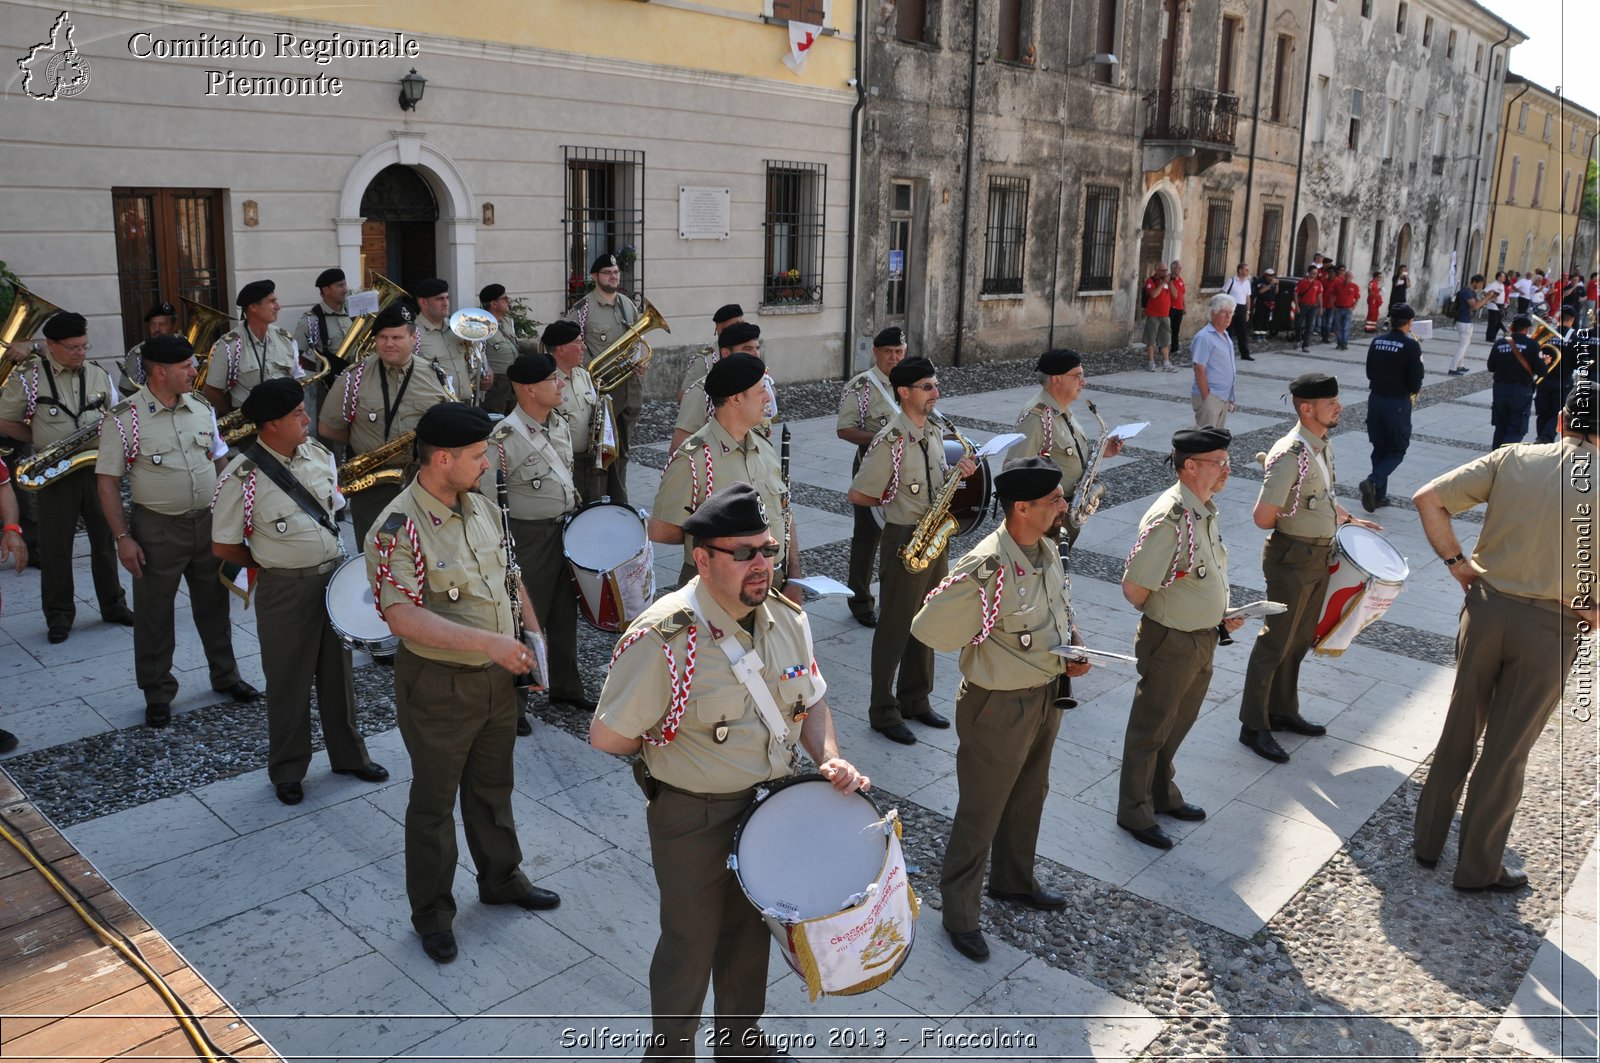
<point x="802" y="35"/>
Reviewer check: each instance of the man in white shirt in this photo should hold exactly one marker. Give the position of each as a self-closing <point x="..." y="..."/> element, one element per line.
<point x="1237" y="288"/>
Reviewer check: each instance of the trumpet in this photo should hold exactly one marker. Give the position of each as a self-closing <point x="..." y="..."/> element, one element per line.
<point x="612" y="367"/>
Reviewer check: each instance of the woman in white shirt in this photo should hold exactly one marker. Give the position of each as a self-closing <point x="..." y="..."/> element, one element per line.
<point x="1496" y="291"/>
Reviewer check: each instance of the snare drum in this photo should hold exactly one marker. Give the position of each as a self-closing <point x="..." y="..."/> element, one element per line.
<point x="1365" y="576"/>
<point x="612" y="563"/>
<point x="826" y="871"/>
<point x="351" y="611"/>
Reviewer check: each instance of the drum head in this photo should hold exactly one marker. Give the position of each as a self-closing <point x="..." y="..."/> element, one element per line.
<point x="350" y="607"/>
<point x="603" y="535"/>
<point x="807" y="849"/>
<point x="971" y="499"/>
<point x="1372" y="553"/>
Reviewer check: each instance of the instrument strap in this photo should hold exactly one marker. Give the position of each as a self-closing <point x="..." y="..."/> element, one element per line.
<point x="289" y="485"/>
<point x="83" y="390"/>
<point x="746" y="666"/>
<point x="540" y="442"/>
<point x="391" y="412"/>
<point x="888" y="396"/>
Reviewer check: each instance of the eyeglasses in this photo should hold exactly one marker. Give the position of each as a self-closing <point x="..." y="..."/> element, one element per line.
<point x="74" y="348"/>
<point x="743" y="554"/>
<point x="1221" y="463"/>
<point x="1076" y="374"/>
<point x="932" y="385"/>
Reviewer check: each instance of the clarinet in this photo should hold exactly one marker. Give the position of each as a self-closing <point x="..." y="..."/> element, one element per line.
<point x="513" y="585"/>
<point x="788" y="517"/>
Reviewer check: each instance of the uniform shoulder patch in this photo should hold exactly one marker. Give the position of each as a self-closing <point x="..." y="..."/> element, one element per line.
<point x="668" y="627"/>
<point x="774" y="597"/>
<point x="501" y="430"/>
<point x="764" y="430"/>
<point x="199" y="397"/>
<point x="244" y="468"/>
<point x="391" y="527"/>
<point x="280" y="330"/>
<point x="986" y="569"/>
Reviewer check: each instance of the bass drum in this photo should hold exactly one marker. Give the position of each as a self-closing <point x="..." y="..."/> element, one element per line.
<point x="355" y="619"/>
<point x="971" y="499"/>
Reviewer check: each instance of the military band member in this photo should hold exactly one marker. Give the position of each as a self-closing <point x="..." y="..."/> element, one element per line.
<point x="727" y="450"/>
<point x="706" y="746"/>
<point x="1529" y="608"/>
<point x="258" y="350"/>
<point x="463" y="362"/>
<point x="160" y="320"/>
<point x="902" y="470"/>
<point x="167" y="444"/>
<point x="44" y="401"/>
<point x="532" y="447"/>
<point x="694" y="407"/>
<point x="602" y="315"/>
<point x="1005" y="606"/>
<point x="438" y="568"/>
<point x="379" y="399"/>
<point x="13" y="551"/>
<point x="699" y="364"/>
<point x="323" y="327"/>
<point x="1050" y="431"/>
<point x="865" y="408"/>
<point x="579" y="400"/>
<point x="501" y="349"/>
<point x="274" y="511"/>
<point x="1177" y="577"/>
<point x="1298" y="506"/>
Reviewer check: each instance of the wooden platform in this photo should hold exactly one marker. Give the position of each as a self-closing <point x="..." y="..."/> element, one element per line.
<point x="66" y="995"/>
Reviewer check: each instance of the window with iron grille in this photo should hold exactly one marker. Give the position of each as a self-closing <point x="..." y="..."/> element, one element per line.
<point x="794" y="233"/>
<point x="1008" y="217"/>
<point x="1214" y="269"/>
<point x="604" y="213"/>
<point x="1099" y="239"/>
<point x="169" y="246"/>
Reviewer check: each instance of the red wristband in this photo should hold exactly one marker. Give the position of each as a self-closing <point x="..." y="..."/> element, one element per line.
<point x="12" y="527"/>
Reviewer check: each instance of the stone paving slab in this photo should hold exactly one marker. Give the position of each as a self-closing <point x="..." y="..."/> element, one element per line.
<point x="1553" y="1013"/>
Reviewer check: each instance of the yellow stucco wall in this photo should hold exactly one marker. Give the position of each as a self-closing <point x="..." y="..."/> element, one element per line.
<point x="1516" y="216"/>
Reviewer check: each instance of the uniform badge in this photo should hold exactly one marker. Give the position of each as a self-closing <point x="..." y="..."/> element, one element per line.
<point x="537" y="484"/>
<point x="1311" y="503"/>
<point x="719" y="734"/>
<point x="454" y="594"/>
<point x="883" y="419"/>
<point x="1200" y="570"/>
<point x="916" y="489"/>
<point x="282" y="526"/>
<point x="1027" y="639"/>
<point x="155" y="459"/>
<point x="55" y="412"/>
<point x="152" y="407"/>
<point x="372" y="416"/>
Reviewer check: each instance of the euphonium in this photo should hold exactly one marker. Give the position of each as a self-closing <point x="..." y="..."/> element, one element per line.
<point x="1548" y="340"/>
<point x="612" y="367"/>
<point x="372" y="468"/>
<point x="354" y="345"/>
<point x="28" y="314"/>
<point x="66" y="455"/>
<point x="204" y="324"/>
<point x="1091" y="489"/>
<point x="937" y="527"/>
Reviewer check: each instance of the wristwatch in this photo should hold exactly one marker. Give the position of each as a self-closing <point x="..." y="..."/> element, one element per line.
<point x="1451" y="562"/>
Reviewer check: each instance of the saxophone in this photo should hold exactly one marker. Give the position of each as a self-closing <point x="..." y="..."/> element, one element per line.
<point x="1091" y="489"/>
<point x="369" y="469"/>
<point x="67" y="454"/>
<point x="936" y="528"/>
<point x="237" y="431"/>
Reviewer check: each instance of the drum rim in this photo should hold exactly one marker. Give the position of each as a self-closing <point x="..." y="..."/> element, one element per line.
<point x="1357" y="533"/>
<point x="566" y="523"/>
<point x="773" y="787"/>
<point x="327" y="607"/>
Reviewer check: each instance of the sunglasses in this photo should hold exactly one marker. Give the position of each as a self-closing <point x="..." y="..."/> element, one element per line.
<point x="742" y="554"/>
<point x="932" y="385"/>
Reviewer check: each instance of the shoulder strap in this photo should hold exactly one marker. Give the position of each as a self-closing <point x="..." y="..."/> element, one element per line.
<point x="290" y="486"/>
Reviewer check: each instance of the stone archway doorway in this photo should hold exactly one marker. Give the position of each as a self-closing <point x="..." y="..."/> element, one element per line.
<point x="399" y="216"/>
<point x="1152" y="237"/>
<point x="1305" y="244"/>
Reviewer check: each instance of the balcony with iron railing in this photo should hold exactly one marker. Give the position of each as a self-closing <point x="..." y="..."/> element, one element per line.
<point x="1189" y="123"/>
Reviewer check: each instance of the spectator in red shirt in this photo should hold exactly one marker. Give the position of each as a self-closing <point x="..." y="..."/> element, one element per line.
<point x="1157" y="319"/>
<point x="1308" y="306"/>
<point x="1330" y="281"/>
<point x="1175" y="315"/>
<point x="1374" y="300"/>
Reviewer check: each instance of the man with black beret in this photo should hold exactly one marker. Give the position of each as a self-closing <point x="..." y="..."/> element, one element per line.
<point x="502" y="348"/>
<point x="694" y="405"/>
<point x="866" y="406"/>
<point x="1005" y="607"/>
<point x="160" y="320"/>
<point x="1050" y="431"/>
<point x="580" y="401"/>
<point x="1298" y="505"/>
<point x="274" y="511"/>
<point x="1394" y="373"/>
<point x="165" y="440"/>
<point x="706" y="744"/>
<point x="1515" y="363"/>
<point x="438" y="570"/>
<point x="463" y="361"/>
<point x="322" y="328"/>
<point x="258" y="350"/>
<point x="902" y="472"/>
<point x="603" y="314"/>
<point x="727" y="450"/>
<point x="45" y="400"/>
<point x="697" y="365"/>
<point x="532" y="448"/>
<point x="1177" y="578"/>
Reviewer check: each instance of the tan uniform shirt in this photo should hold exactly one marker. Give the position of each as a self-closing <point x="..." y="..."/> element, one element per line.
<point x="355" y="400"/>
<point x="537" y="461"/>
<point x="697" y="365"/>
<point x="1050" y="431"/>
<point x="462" y="565"/>
<point x="867" y="402"/>
<point x="308" y="330"/>
<point x="639" y="692"/>
<point x="1531" y="490"/>
<point x="167" y="454"/>
<point x="501" y="348"/>
<point x="919" y="453"/>
<point x="1004" y="644"/>
<point x="454" y="354"/>
<point x="695" y="409"/>
<point x="53" y="415"/>
<point x="1296" y="483"/>
<point x="710" y="459"/>
<point x="578" y="401"/>
<point x="282" y="535"/>
<point x="604" y="323"/>
<point x="239" y="361"/>
<point x="1180" y="559"/>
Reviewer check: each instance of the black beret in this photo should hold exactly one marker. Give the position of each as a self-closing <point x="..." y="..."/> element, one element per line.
<point x="893" y="336"/>
<point x="605" y="261"/>
<point x="330" y="276"/>
<point x="394" y="316"/>
<point x="909" y="371"/>
<point x="1569" y="310"/>
<point x="733" y="374"/>
<point x="1314" y="386"/>
<point x="453" y="424"/>
<point x="160" y="310"/>
<point x="254" y="292"/>
<point x="1522" y="321"/>
<point x="558" y="333"/>
<point x="1027" y="479"/>
<point x="737" y="333"/>
<point x="66" y="325"/>
<point x="1400" y="313"/>
<point x="166" y="350"/>
<point x="1580" y="407"/>
<point x="1200" y="440"/>
<point x="490" y="292"/>
<point x="1058" y="361"/>
<point x="531" y="368"/>
<point x="429" y="288"/>
<point x="727" y="312"/>
<point x="733" y="510"/>
<point x="272" y="399"/>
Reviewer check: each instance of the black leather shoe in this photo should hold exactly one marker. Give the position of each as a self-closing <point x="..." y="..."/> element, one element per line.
<point x="524" y="725"/>
<point x="932" y="719"/>
<point x="57" y="633"/>
<point x="898" y="732"/>
<point x="1506" y="883"/>
<point x="1040" y="900"/>
<point x="241" y="691"/>
<point x="1186" y="812"/>
<point x="970" y="944"/>
<point x="290" y="793"/>
<point x="1247" y="357"/>
<point x="122" y="615"/>
<point x="158" y="715"/>
<point x="866" y="618"/>
<point x="1154" y="837"/>
<point x="1369" y="496"/>
<point x="535" y="900"/>
<point x="1426" y="862"/>
<point x="440" y="946"/>
<point x="1298" y="724"/>
<point x="371" y="771"/>
<point x="8" y="741"/>
<point x="1263" y="744"/>
<point x="581" y="704"/>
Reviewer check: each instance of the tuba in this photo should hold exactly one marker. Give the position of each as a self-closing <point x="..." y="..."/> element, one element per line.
<point x="204" y="324"/>
<point x="1091" y="489"/>
<point x="937" y="527"/>
<point x="28" y="314"/>
<point x="612" y="367"/>
<point x="354" y="345"/>
<point x="1548" y="339"/>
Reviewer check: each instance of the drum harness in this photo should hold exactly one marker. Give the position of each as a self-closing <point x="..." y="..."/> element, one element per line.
<point x="290" y="486"/>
